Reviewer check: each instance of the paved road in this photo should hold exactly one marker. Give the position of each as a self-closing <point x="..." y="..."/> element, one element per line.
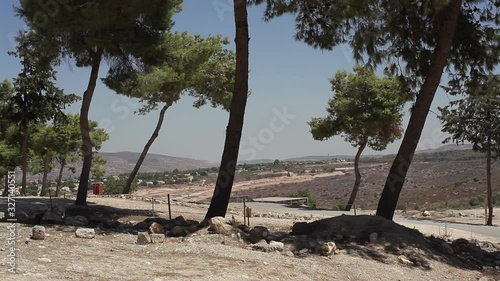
<point x="473" y="229"/>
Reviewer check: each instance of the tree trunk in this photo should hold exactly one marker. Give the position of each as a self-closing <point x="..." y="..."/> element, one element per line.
<point x="225" y="178"/>
<point x="6" y="189"/>
<point x="81" y="198"/>
<point x="24" y="159"/>
<point x="400" y="166"/>
<point x="59" y="178"/>
<point x="46" y="164"/>
<point x="132" y="175"/>
<point x="488" y="183"/>
<point x="357" y="182"/>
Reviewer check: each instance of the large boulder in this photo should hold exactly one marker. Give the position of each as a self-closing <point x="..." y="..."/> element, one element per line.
<point x="220" y="225"/>
<point x="38" y="232"/>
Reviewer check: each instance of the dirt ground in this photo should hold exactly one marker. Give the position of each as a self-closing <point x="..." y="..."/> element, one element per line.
<point x="200" y="256"/>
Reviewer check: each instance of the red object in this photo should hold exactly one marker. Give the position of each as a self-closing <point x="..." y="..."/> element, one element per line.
<point x="98" y="188"/>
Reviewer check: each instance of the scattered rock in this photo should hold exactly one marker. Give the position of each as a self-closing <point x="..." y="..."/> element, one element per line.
<point x="157" y="237"/>
<point x="244" y="228"/>
<point x="38" y="232"/>
<point x="219" y="225"/>
<point x="373" y="237"/>
<point x="156" y="228"/>
<point x="88" y="233"/>
<point x="446" y="248"/>
<point x="193" y="228"/>
<point x="180" y="221"/>
<point x="76" y="221"/>
<point x="143" y="238"/>
<point x="288" y="254"/>
<point x="44" y="260"/>
<point x="276" y="236"/>
<point x="327" y="249"/>
<point x="257" y="233"/>
<point x="178" y="231"/>
<point x="405" y="260"/>
<point x="304" y="251"/>
<point x="77" y="210"/>
<point x="109" y="223"/>
<point x="272" y="247"/>
<point x="426" y="213"/>
<point x="52" y="216"/>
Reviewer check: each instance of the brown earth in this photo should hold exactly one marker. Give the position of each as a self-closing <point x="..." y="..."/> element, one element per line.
<point x="113" y="255"/>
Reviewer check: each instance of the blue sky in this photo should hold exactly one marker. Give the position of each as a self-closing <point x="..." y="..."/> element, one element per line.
<point x="288" y="79"/>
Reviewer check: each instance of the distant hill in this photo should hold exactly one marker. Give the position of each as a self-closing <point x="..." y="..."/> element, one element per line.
<point x="446" y="147"/>
<point x="124" y="162"/>
<point x="320" y="158"/>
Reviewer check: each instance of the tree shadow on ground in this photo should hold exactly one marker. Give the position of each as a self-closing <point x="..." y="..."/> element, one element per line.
<point x="385" y="241"/>
<point x="450" y="222"/>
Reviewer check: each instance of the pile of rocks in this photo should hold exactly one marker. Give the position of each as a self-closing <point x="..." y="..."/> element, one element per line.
<point x="156" y="229"/>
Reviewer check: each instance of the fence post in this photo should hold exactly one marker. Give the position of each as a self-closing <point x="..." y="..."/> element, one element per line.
<point x="244" y="212"/>
<point x="169" y="211"/>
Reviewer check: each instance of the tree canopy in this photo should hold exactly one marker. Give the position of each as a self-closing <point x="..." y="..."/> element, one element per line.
<point x="365" y="108"/>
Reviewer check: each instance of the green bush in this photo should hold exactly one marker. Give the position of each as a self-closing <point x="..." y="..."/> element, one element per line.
<point x="304" y="193"/>
<point x="113" y="186"/>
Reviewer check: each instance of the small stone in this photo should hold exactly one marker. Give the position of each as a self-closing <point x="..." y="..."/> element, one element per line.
<point x="405" y="260"/>
<point x="426" y="213"/>
<point x="373" y="237"/>
<point x="156" y="228"/>
<point x="143" y="238"/>
<point x="304" y="251"/>
<point x="44" y="260"/>
<point x="88" y="233"/>
<point x="157" y="237"/>
<point x="328" y="249"/>
<point x="38" y="232"/>
<point x="288" y="254"/>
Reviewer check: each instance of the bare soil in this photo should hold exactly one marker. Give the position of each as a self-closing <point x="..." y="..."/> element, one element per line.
<point x="113" y="255"/>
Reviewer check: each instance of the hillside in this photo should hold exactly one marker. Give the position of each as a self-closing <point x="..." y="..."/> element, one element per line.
<point x="124" y="162"/>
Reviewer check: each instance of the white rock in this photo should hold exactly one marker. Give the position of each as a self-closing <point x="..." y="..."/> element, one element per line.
<point x="88" y="233"/>
<point x="405" y="260"/>
<point x="143" y="238"/>
<point x="38" y="232"/>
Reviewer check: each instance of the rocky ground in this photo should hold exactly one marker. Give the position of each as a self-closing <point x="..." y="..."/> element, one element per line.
<point x="112" y="240"/>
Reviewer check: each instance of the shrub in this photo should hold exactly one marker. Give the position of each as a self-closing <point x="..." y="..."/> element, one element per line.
<point x="113" y="186"/>
<point x="305" y="193"/>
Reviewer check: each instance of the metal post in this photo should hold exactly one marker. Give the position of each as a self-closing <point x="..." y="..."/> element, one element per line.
<point x="244" y="212"/>
<point x="169" y="211"/>
<point x="153" y="205"/>
<point x="50" y="196"/>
